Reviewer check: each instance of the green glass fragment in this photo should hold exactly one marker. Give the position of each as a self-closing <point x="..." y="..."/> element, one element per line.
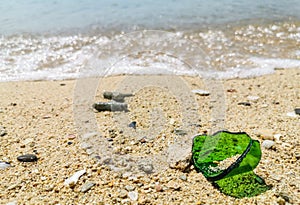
<point x="228" y="159"/>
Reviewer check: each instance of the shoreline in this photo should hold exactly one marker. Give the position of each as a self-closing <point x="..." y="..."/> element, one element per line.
<point x="38" y="117"/>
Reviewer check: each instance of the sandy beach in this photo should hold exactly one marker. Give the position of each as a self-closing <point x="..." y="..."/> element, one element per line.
<point x="38" y="118"/>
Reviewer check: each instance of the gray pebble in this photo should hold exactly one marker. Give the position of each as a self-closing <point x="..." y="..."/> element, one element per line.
<point x="180" y="132"/>
<point x="110" y="106"/>
<point x="297" y="111"/>
<point x="87" y="186"/>
<point x="27" y="158"/>
<point x="183" y="177"/>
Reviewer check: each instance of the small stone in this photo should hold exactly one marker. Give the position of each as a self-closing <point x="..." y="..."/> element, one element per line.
<point x="183" y="177"/>
<point x="253" y="98"/>
<point x="172" y="121"/>
<point x="291" y="114"/>
<point x="133" y="195"/>
<point x="231" y="90"/>
<point x="71" y="181"/>
<point x="110" y="106"/>
<point x="116" y="96"/>
<point x="158" y="188"/>
<point x="129" y="188"/>
<point x="146" y="167"/>
<point x="180" y="132"/>
<point x="71" y="137"/>
<point x="4" y="165"/>
<point x="132" y="124"/>
<point x="87" y="186"/>
<point x="297" y="111"/>
<point x="201" y="92"/>
<point x="2" y="131"/>
<point x="27" y="158"/>
<point x="277" y="137"/>
<point x="122" y="194"/>
<point x="268" y="144"/>
<point x="244" y="103"/>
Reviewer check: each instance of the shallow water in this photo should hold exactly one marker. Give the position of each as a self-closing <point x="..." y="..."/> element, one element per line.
<point x="69" y="39"/>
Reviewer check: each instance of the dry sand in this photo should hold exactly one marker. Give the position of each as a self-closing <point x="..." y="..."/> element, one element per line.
<point x="38" y="118"/>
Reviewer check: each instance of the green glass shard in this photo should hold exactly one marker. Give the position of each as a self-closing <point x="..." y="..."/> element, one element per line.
<point x="228" y="159"/>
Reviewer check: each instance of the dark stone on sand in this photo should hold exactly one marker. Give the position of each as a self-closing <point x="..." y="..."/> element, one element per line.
<point x="132" y="124"/>
<point x="69" y="143"/>
<point x="110" y="106"/>
<point x="27" y="158"/>
<point x="244" y="103"/>
<point x="116" y="96"/>
<point x="297" y="111"/>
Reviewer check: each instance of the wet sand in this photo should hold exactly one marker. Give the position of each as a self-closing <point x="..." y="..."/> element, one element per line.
<point x="39" y="119"/>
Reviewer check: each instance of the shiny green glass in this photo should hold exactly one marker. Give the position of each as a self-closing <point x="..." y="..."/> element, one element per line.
<point x="228" y="159"/>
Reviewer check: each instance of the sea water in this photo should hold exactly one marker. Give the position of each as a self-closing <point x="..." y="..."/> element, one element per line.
<point x="51" y="39"/>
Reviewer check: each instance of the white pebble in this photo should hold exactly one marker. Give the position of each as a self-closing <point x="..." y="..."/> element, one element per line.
<point x="133" y="195"/>
<point x="71" y="181"/>
<point x="4" y="165"/>
<point x="268" y="144"/>
<point x="277" y="137"/>
<point x="253" y="98"/>
<point x="201" y="92"/>
<point x="291" y="114"/>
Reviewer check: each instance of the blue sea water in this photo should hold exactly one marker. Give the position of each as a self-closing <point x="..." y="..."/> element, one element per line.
<point x="51" y="39"/>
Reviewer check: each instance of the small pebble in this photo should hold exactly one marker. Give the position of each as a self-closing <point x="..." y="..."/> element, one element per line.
<point x="133" y="195"/>
<point x="253" y="98"/>
<point x="297" y="111"/>
<point x="268" y="144"/>
<point x="277" y="137"/>
<point x="180" y="132"/>
<point x="69" y="143"/>
<point x="27" y="158"/>
<point x="129" y="188"/>
<point x="87" y="186"/>
<point x="4" y="165"/>
<point x="183" y="177"/>
<point x="71" y="181"/>
<point x="2" y="131"/>
<point x="71" y="137"/>
<point x="158" y="188"/>
<point x="244" y="103"/>
<point x="201" y="92"/>
<point x="132" y="124"/>
<point x="291" y="114"/>
<point x="122" y="194"/>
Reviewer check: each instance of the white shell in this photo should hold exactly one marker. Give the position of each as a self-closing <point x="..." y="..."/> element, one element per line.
<point x="71" y="181"/>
